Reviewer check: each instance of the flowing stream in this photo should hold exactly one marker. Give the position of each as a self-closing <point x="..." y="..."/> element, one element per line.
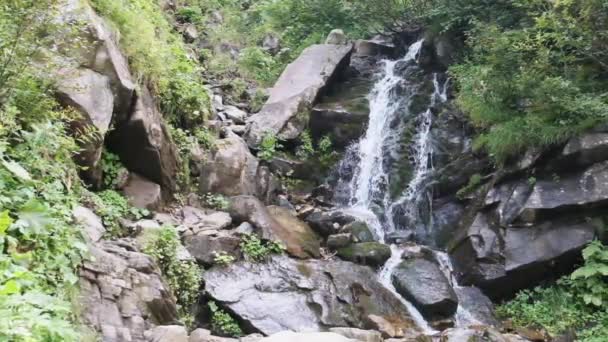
<point x="401" y="84"/>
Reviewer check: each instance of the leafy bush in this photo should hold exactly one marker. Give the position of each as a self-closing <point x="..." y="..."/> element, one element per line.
<point x="216" y="201"/>
<point x="222" y="323"/>
<point x="183" y="277"/>
<point x="473" y="184"/>
<point x="257" y="250"/>
<point x="574" y="302"/>
<point x="257" y="64"/>
<point x="111" y="206"/>
<point x="111" y="166"/>
<point x="269" y="147"/>
<point x="306" y="148"/>
<point x="223" y="258"/>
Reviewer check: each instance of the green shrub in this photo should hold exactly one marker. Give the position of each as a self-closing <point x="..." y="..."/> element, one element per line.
<point x="111" y="166"/>
<point x="183" y="277"/>
<point x="257" y="250"/>
<point x="473" y="185"/>
<point x="575" y="302"/>
<point x="111" y="206"/>
<point x="216" y="201"/>
<point x="269" y="147"/>
<point x="222" y="323"/>
<point x="223" y="258"/>
<point x="306" y="148"/>
<point x="257" y="64"/>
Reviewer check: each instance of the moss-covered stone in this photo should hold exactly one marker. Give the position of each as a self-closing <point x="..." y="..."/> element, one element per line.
<point x="359" y="231"/>
<point x="373" y="254"/>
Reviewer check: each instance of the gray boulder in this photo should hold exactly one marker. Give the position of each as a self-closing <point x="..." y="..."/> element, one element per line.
<point x="204" y="246"/>
<point x="122" y="293"/>
<point x="336" y="37"/>
<point x="583" y="150"/>
<point x="374" y="47"/>
<point x="287" y="294"/>
<point x="373" y="254"/>
<point x="423" y="283"/>
<point x="142" y="193"/>
<point x="285" y="114"/>
<point x="290" y="336"/>
<point x="235" y="114"/>
<point x="90" y="222"/>
<point x="277" y="224"/>
<point x="358" y="334"/>
<point x="167" y="333"/>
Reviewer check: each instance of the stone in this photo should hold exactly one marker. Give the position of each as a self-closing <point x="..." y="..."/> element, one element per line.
<point x="422" y="282"/>
<point x="245" y="228"/>
<point x="167" y="333"/>
<point x="197" y="220"/>
<point x="290" y="336"/>
<point x="374" y="47"/>
<point x="336" y="37"/>
<point x="144" y="144"/>
<point x="204" y="247"/>
<point x="479" y="306"/>
<point x="204" y="335"/>
<point x="90" y="222"/>
<point x="190" y="33"/>
<point x="276" y="224"/>
<point x="501" y="261"/>
<point x="338" y="241"/>
<point x="400" y="236"/>
<point x="373" y="254"/>
<point x="343" y="121"/>
<point x="323" y="222"/>
<point x="359" y="231"/>
<point x="358" y="334"/>
<point x="271" y="44"/>
<point x="232" y="170"/>
<point x="235" y="114"/>
<point x="304" y="295"/>
<point x="285" y="113"/>
<point x="122" y="293"/>
<point x="584" y="150"/>
<point x="143" y="193"/>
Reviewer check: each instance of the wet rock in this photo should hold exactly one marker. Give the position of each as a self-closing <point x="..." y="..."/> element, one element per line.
<point x="286" y="112"/>
<point x="90" y="222"/>
<point x="324" y="222"/>
<point x="480" y="307"/>
<point x="582" y="151"/>
<point x="501" y="261"/>
<point x="343" y="121"/>
<point x="306" y="337"/>
<point x="277" y="224"/>
<point x="423" y="283"/>
<point x="447" y="214"/>
<point x="122" y="293"/>
<point x="197" y="220"/>
<point x="167" y="333"/>
<point x="400" y="236"/>
<point x="143" y="193"/>
<point x="338" y="241"/>
<point x="374" y="47"/>
<point x="205" y="246"/>
<point x="312" y="295"/>
<point x="358" y="334"/>
<point x="373" y="254"/>
<point x="359" y="232"/>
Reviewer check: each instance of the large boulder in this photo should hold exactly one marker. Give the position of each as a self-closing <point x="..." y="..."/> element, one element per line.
<point x="206" y="245"/>
<point x="290" y="336"/>
<point x="142" y="193"/>
<point x="285" y="114"/>
<point x="144" y="144"/>
<point x="232" y="170"/>
<point x="277" y="224"/>
<point x="373" y="254"/>
<point x="503" y="260"/>
<point x="287" y="294"/>
<point x="423" y="283"/>
<point x="122" y="293"/>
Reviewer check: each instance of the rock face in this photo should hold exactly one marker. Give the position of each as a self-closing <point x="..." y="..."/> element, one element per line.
<point x="286" y="112"/>
<point x="123" y="294"/>
<point x="232" y="170"/>
<point x="277" y="224"/>
<point x="423" y="283"/>
<point x="286" y="294"/>
<point x="374" y="254"/>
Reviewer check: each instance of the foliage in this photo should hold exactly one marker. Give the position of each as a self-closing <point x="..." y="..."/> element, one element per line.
<point x="574" y="302"/>
<point x="268" y="147"/>
<point x="158" y="57"/>
<point x="257" y="64"/>
<point x="257" y="250"/>
<point x="183" y="277"/>
<point x="111" y="166"/>
<point x="223" y="258"/>
<point x="216" y="201"/>
<point x="258" y="100"/>
<point x="186" y="142"/>
<point x="473" y="184"/>
<point x="327" y="155"/>
<point x="111" y="206"/>
<point x="222" y="323"/>
<point x="306" y="148"/>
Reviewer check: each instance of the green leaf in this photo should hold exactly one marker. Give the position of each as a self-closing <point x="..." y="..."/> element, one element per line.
<point x="5" y="222"/>
<point x="10" y="287"/>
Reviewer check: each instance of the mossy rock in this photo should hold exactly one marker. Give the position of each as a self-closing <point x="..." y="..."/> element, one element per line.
<point x="373" y="254"/>
<point x="360" y="232"/>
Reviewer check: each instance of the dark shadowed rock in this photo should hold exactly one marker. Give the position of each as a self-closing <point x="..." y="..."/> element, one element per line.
<point x="287" y="294"/>
<point x="374" y="47"/>
<point x="327" y="223"/>
<point x="286" y="112"/>
<point x="477" y="304"/>
<point x="277" y="224"/>
<point x="583" y="151"/>
<point x="501" y="261"/>
<point x="204" y="246"/>
<point x="372" y="254"/>
<point x="423" y="283"/>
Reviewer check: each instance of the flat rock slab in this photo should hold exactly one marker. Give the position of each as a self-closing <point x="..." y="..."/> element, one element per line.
<point x="284" y="113"/>
<point x="288" y="294"/>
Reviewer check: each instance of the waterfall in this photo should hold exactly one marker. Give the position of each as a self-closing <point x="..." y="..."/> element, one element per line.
<point x="392" y="110"/>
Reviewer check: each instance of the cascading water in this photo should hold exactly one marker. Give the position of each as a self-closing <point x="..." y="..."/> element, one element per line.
<point x="395" y="107"/>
